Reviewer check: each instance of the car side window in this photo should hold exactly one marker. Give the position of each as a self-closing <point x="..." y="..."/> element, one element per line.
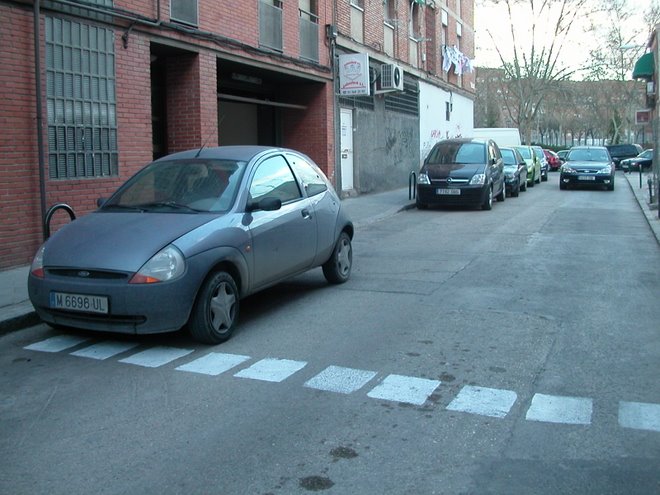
<point x="310" y="176"/>
<point x="274" y="179"/>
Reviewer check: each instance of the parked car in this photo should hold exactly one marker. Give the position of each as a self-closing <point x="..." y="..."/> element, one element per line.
<point x="533" y="165"/>
<point x="620" y="152"/>
<point x="587" y="165"/>
<point x="540" y="156"/>
<point x="188" y="236"/>
<point x="562" y="155"/>
<point x="644" y="160"/>
<point x="515" y="171"/>
<point x="553" y="160"/>
<point x="465" y="171"/>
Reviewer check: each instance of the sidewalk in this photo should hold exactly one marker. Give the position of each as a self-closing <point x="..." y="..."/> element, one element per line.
<point x="17" y="313"/>
<point x="642" y="196"/>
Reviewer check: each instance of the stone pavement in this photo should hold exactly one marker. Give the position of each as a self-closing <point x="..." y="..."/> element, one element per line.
<point x="16" y="312"/>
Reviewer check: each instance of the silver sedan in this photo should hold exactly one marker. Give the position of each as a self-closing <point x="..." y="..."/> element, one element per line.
<point x="182" y="241"/>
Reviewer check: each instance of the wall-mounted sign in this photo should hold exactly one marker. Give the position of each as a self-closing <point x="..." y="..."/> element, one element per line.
<point x="354" y="75"/>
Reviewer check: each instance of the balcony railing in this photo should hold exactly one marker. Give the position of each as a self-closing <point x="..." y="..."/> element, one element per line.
<point x="309" y="35"/>
<point x="270" y="25"/>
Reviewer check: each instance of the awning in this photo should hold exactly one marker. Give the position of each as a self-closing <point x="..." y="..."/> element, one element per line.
<point x="644" y="67"/>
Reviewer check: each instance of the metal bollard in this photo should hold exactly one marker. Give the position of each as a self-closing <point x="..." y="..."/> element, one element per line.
<point x="649" y="182"/>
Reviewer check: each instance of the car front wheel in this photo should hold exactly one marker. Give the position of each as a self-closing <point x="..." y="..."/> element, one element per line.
<point x="488" y="202"/>
<point x="337" y="269"/>
<point x="215" y="312"/>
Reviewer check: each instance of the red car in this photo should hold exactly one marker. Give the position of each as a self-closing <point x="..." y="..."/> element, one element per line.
<point x="553" y="159"/>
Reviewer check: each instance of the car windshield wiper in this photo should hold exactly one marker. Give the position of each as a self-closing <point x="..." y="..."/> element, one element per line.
<point x="169" y="204"/>
<point x="121" y="207"/>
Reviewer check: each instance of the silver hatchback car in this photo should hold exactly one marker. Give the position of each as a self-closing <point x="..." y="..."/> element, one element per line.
<point x="188" y="236"/>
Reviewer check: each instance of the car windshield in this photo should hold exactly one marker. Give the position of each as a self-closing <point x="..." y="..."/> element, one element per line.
<point x="525" y="152"/>
<point x="623" y="150"/>
<point x="539" y="153"/>
<point x="646" y="154"/>
<point x="588" y="155"/>
<point x="452" y="153"/>
<point x="188" y="186"/>
<point x="509" y="156"/>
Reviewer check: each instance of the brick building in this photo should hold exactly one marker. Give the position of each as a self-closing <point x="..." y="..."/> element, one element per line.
<point x="121" y="82"/>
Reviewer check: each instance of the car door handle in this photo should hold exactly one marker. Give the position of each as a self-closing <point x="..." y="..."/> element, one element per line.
<point x="305" y="214"/>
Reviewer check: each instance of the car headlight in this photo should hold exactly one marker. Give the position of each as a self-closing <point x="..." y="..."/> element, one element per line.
<point x="423" y="179"/>
<point x="37" y="268"/>
<point x="165" y="265"/>
<point x="567" y="169"/>
<point x="478" y="179"/>
<point x="606" y="170"/>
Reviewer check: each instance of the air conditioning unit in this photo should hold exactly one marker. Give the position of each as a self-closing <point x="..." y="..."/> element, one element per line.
<point x="391" y="77"/>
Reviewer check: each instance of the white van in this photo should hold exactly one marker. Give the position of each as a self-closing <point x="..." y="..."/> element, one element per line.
<point x="503" y="136"/>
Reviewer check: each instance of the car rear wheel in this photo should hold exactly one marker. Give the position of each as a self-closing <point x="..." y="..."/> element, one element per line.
<point x="215" y="312"/>
<point x="337" y="269"/>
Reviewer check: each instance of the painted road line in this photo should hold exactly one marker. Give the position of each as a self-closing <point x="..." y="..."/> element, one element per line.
<point x="406" y="389"/>
<point x="340" y="380"/>
<point x="156" y="356"/>
<point x="558" y="409"/>
<point x="491" y="402"/>
<point x="213" y="363"/>
<point x="271" y="370"/>
<point x="57" y="343"/>
<point x="104" y="350"/>
<point x="639" y="416"/>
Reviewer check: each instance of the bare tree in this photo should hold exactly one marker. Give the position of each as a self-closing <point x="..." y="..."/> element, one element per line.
<point x="534" y="64"/>
<point x="622" y="41"/>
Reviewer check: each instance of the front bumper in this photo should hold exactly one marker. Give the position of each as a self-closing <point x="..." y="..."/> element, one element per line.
<point x="586" y="179"/>
<point x="132" y="308"/>
<point x="467" y="196"/>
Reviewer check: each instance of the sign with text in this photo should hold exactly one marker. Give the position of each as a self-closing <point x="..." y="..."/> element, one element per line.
<point x="354" y="75"/>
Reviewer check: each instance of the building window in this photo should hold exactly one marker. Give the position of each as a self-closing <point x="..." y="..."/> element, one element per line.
<point x="184" y="11"/>
<point x="270" y="24"/>
<point x="81" y="101"/>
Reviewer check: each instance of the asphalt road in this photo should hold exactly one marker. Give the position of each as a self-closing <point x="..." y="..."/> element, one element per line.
<point x="515" y="351"/>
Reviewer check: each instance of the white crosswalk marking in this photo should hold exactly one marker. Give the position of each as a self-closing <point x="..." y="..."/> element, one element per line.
<point x="104" y="350"/>
<point x="491" y="402"/>
<point x="558" y="409"/>
<point x="341" y="380"/>
<point x="56" y="344"/>
<point x="406" y="389"/>
<point x="272" y="370"/>
<point x="639" y="416"/>
<point x="214" y="363"/>
<point x="156" y="356"/>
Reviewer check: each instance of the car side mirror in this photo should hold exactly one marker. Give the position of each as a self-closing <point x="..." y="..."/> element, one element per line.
<point x="265" y="204"/>
<point x="101" y="201"/>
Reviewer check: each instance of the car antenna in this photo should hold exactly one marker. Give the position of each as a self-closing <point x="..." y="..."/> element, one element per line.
<point x="199" y="151"/>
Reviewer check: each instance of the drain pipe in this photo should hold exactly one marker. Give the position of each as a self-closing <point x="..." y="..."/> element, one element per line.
<point x="40" y="134"/>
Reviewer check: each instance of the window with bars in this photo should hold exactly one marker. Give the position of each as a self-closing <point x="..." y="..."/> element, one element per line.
<point x="81" y="101"/>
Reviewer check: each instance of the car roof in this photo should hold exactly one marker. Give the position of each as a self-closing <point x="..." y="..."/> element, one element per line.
<point x="237" y="152"/>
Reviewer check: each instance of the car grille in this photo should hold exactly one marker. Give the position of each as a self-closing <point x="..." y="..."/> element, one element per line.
<point x="87" y="274"/>
<point x="449" y="182"/>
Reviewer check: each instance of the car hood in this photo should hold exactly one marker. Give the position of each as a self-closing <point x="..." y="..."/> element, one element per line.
<point x="117" y="241"/>
<point x="454" y="170"/>
<point x="510" y="168"/>
<point x="577" y="165"/>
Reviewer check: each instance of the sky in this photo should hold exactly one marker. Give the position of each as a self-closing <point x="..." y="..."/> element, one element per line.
<point x="575" y="52"/>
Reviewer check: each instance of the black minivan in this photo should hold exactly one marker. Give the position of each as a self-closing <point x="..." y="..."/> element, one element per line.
<point x="462" y="171"/>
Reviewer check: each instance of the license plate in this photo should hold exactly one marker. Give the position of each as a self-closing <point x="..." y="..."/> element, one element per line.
<point x="79" y="302"/>
<point x="586" y="177"/>
<point x="448" y="192"/>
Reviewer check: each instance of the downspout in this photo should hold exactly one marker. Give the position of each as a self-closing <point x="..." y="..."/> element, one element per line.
<point x="40" y="136"/>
